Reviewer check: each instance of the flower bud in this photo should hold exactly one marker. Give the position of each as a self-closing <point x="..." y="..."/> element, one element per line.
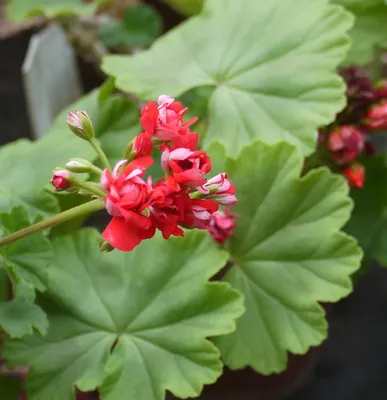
<point x="60" y="180"/>
<point x="105" y="247"/>
<point x="355" y="175"/>
<point x="219" y="189"/>
<point x="79" y="165"/>
<point x="80" y="124"/>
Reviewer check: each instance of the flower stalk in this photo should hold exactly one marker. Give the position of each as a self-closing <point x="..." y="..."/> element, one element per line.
<point x="102" y="156"/>
<point x="84" y="209"/>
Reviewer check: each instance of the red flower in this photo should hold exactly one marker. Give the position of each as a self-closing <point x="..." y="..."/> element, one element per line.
<point x="59" y="180"/>
<point x="220" y="189"/>
<point x="222" y="225"/>
<point x="169" y="212"/>
<point x="355" y="175"/>
<point x="187" y="167"/>
<point x="127" y="198"/>
<point x="376" y="118"/>
<point x="142" y="145"/>
<point x="345" y="144"/>
<point x="165" y="121"/>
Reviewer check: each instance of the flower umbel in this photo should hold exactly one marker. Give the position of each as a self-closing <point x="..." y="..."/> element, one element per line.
<point x="184" y="198"/>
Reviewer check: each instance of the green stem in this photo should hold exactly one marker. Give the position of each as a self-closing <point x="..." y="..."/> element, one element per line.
<point x="78" y="211"/>
<point x="88" y="186"/>
<point x="100" y="153"/>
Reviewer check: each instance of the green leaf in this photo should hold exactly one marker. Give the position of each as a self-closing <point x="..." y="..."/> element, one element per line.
<point x="272" y="64"/>
<point x="144" y="315"/>
<point x="185" y="7"/>
<point x="370" y="29"/>
<point x="288" y="254"/>
<point x="139" y="28"/>
<point x="19" y="317"/>
<point x="9" y="388"/>
<point x="19" y="10"/>
<point x="369" y="217"/>
<point x="25" y="260"/>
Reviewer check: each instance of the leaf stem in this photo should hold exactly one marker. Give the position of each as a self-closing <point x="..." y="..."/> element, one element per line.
<point x="83" y="209"/>
<point x="102" y="156"/>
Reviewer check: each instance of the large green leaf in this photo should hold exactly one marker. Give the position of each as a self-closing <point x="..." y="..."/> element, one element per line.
<point x="19" y="317"/>
<point x="135" y="324"/>
<point x="19" y="10"/>
<point x="272" y="64"/>
<point x="25" y="260"/>
<point x="370" y="28"/>
<point x="288" y="254"/>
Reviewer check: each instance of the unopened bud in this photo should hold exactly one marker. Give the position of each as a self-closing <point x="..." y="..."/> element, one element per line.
<point x="105" y="247"/>
<point x="60" y="180"/>
<point x="79" y="165"/>
<point x="80" y="124"/>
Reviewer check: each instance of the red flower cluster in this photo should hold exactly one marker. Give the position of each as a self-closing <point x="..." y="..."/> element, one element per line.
<point x="349" y="137"/>
<point x="184" y="198"/>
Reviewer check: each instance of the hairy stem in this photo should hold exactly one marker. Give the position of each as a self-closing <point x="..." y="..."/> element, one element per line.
<point x="100" y="153"/>
<point x="78" y="211"/>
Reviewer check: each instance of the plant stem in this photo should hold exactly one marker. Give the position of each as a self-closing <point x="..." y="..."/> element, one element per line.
<point x="83" y="209"/>
<point x="88" y="187"/>
<point x="100" y="153"/>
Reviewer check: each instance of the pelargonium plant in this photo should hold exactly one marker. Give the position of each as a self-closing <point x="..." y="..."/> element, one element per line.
<point x="221" y="239"/>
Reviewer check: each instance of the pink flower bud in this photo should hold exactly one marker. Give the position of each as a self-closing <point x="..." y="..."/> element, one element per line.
<point x="219" y="189"/>
<point x="345" y="144"/>
<point x="80" y="124"/>
<point x="222" y="225"/>
<point x="59" y="180"/>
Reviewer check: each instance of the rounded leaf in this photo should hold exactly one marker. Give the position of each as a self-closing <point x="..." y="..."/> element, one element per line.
<point x="143" y="315"/>
<point x="288" y="254"/>
<point x="272" y="64"/>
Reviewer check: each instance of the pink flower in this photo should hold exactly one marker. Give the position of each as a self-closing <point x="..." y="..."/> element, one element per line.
<point x="345" y="144"/>
<point x="219" y="189"/>
<point x="376" y="118"/>
<point x="60" y="180"/>
<point x="127" y="198"/>
<point x="222" y="225"/>
<point x="164" y="121"/>
<point x="355" y="175"/>
<point x="187" y="167"/>
<point x="202" y="211"/>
